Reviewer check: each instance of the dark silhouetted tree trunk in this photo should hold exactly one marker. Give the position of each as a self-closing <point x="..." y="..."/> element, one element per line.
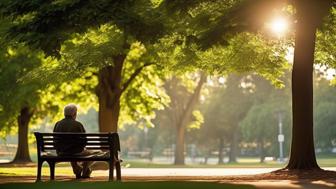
<point x="262" y="151"/>
<point x="309" y="16"/>
<point x="22" y="154"/>
<point x="234" y="146"/>
<point x="221" y="150"/>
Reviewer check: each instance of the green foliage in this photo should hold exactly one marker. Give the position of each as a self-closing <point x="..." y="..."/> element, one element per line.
<point x="145" y="95"/>
<point x="324" y="111"/>
<point x="95" y="45"/>
<point x="15" y="61"/>
<point x="325" y="125"/>
<point x="260" y="126"/>
<point x="225" y="108"/>
<point x="51" y="23"/>
<point x="245" y="53"/>
<point x="326" y="43"/>
<point x="197" y="120"/>
<point x="81" y="58"/>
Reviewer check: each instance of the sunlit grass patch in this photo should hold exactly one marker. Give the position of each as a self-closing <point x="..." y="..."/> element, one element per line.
<point x="31" y="171"/>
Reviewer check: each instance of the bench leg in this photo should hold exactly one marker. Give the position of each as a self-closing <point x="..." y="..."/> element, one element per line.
<point x="118" y="169"/>
<point x="52" y="170"/>
<point x="39" y="170"/>
<point x="111" y="170"/>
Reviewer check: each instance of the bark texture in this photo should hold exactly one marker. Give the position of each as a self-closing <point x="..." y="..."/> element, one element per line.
<point x="109" y="91"/>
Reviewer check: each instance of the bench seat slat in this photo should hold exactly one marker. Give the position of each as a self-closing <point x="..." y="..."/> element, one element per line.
<point x="87" y="139"/>
<point x="89" y="148"/>
<point x="90" y="143"/>
<point x="65" y="159"/>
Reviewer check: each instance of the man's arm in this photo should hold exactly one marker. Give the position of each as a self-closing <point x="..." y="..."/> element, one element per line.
<point x="82" y="129"/>
<point x="55" y="127"/>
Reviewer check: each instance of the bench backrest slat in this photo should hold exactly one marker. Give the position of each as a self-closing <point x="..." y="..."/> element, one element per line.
<point x="89" y="143"/>
<point x="86" y="134"/>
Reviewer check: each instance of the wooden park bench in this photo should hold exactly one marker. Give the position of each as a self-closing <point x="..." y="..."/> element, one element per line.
<point x="107" y="142"/>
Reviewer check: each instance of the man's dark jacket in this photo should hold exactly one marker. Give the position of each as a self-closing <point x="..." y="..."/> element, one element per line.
<point x="69" y="145"/>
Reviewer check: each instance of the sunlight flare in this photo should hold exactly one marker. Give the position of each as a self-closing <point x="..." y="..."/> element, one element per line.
<point x="279" y="26"/>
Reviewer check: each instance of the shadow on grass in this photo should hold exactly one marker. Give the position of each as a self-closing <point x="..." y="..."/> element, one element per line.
<point x="128" y="185"/>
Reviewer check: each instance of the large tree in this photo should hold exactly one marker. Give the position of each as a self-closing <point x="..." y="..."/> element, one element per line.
<point x="302" y="154"/>
<point x="251" y="16"/>
<point x="18" y="101"/>
<point x="122" y="86"/>
<point x="47" y="26"/>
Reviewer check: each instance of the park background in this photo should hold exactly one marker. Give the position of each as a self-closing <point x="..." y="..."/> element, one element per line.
<point x="207" y="82"/>
<point x="234" y="127"/>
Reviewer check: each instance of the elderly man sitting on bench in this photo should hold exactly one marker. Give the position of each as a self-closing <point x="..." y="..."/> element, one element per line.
<point x="72" y="147"/>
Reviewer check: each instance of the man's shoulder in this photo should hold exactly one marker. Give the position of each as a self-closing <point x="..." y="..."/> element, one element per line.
<point x="60" y="121"/>
<point x="68" y="125"/>
<point x="69" y="121"/>
<point x="78" y="123"/>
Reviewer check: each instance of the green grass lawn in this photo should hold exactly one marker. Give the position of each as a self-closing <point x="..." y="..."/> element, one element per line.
<point x="31" y="171"/>
<point x="114" y="185"/>
<point x="65" y="169"/>
<point x="245" y="162"/>
<point x="137" y="164"/>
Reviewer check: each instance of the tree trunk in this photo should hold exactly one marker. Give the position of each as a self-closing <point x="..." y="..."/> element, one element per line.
<point x="109" y="91"/>
<point x="309" y="15"/>
<point x="179" y="147"/>
<point x="262" y="151"/>
<point x="183" y="120"/>
<point x="22" y="153"/>
<point x="234" y="146"/>
<point x="206" y="159"/>
<point x="221" y="150"/>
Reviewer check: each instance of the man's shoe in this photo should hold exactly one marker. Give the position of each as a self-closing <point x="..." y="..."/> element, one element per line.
<point x="78" y="176"/>
<point x="86" y="173"/>
<point x="86" y="177"/>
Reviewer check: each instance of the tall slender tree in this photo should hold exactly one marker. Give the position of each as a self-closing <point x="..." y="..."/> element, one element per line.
<point x="183" y="103"/>
<point x="302" y="154"/>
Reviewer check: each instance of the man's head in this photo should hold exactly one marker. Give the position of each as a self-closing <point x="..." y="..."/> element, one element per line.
<point x="70" y="110"/>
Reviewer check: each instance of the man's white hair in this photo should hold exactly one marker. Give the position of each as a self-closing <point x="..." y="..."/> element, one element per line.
<point x="70" y="110"/>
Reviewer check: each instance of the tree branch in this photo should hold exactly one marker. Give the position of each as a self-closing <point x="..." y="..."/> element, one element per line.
<point x="133" y="76"/>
